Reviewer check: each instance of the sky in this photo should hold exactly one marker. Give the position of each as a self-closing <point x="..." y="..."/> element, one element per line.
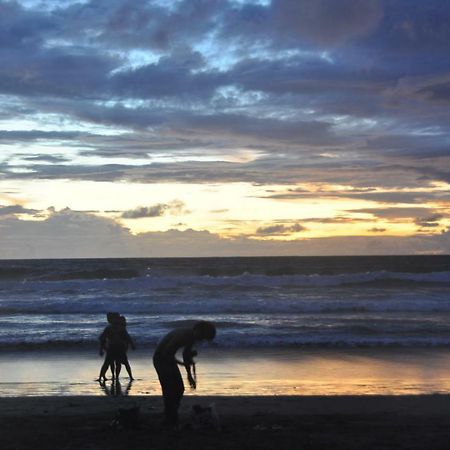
<point x="224" y="127"/>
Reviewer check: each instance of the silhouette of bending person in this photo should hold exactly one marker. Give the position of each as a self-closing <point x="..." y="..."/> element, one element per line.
<point x="165" y="362"/>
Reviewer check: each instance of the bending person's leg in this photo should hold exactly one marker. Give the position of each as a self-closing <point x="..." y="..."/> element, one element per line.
<point x="173" y="389"/>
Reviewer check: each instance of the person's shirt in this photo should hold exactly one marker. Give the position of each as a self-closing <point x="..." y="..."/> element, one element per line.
<point x="115" y="336"/>
<point x="103" y="338"/>
<point x="173" y="341"/>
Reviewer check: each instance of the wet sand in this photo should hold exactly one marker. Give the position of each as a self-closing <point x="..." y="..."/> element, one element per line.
<point x="260" y="372"/>
<point x="275" y="422"/>
<point x="49" y="400"/>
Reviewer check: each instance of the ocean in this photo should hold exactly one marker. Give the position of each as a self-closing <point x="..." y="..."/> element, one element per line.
<point x="262" y="307"/>
<point x="255" y="302"/>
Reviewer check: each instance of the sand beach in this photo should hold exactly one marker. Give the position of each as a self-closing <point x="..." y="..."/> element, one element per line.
<point x="276" y="422"/>
<point x="51" y="401"/>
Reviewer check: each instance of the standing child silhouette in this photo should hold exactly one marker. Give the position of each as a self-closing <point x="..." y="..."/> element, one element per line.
<point x="105" y="341"/>
<point x="124" y="341"/>
<point x="115" y="340"/>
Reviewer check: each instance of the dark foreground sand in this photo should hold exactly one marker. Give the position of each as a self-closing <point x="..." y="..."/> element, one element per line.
<point x="340" y="422"/>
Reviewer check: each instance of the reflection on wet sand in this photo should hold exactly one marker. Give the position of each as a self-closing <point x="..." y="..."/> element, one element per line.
<point x="114" y="388"/>
<point x="259" y="372"/>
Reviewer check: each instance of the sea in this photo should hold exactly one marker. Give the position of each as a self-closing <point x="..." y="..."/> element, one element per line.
<point x="285" y="325"/>
<point x="254" y="302"/>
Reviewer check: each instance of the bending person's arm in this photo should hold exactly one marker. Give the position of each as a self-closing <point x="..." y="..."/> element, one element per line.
<point x="188" y="362"/>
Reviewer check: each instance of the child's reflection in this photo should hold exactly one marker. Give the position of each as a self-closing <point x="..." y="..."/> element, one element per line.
<point x="115" y="388"/>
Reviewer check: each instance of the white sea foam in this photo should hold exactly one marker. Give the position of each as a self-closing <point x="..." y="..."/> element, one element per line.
<point x="258" y="303"/>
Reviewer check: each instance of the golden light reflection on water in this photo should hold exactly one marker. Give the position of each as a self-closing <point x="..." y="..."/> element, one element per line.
<point x="262" y="372"/>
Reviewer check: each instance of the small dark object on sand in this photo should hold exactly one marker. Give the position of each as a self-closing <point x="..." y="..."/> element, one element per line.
<point x="204" y="418"/>
<point x="127" y="419"/>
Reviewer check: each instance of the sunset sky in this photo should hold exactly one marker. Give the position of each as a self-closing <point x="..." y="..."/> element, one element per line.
<point x="215" y="127"/>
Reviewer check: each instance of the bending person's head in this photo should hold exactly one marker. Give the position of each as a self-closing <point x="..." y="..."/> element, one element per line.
<point x="122" y="321"/>
<point x="111" y="317"/>
<point x="204" y="330"/>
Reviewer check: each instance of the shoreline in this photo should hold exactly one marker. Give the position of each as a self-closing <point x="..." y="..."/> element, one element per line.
<point x="225" y="372"/>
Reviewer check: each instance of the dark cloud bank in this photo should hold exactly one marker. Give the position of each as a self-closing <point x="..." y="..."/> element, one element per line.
<point x="68" y="233"/>
<point x="289" y="77"/>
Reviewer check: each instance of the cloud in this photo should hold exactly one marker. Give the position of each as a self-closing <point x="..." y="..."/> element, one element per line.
<point x="66" y="73"/>
<point x="336" y="219"/>
<point x="352" y="93"/>
<point x="70" y="234"/>
<point x="16" y="209"/>
<point x="35" y="135"/>
<point x="64" y="233"/>
<point x="155" y="25"/>
<point x="377" y="230"/>
<point x="431" y="221"/>
<point x="20" y="27"/>
<point x="257" y="129"/>
<point x="175" y="207"/>
<point x="413" y="196"/>
<point x="393" y="213"/>
<point x="280" y="229"/>
<point x="219" y="211"/>
<point x="262" y="170"/>
<point x="54" y="159"/>
<point x="432" y="89"/>
<point x="325" y="22"/>
<point x="82" y="54"/>
<point x="173" y="76"/>
<point x="285" y="23"/>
